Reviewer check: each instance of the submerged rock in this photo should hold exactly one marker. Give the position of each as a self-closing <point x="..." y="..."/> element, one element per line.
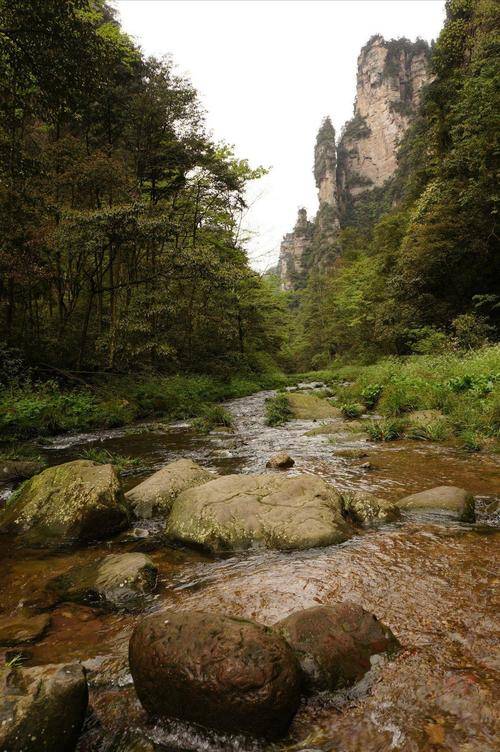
<point x="280" y="461"/>
<point x="20" y="629"/>
<point x="19" y="469"/>
<point x="155" y="495"/>
<point x="116" y="581"/>
<point x="349" y="453"/>
<point x="69" y="504"/>
<point x="366" y="510"/>
<point x="42" y="709"/>
<point x="334" y="644"/>
<point x="450" y="499"/>
<point x="218" y="671"/>
<point x="237" y="511"/>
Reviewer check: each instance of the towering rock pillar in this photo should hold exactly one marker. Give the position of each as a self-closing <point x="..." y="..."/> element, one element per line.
<point x="291" y="266"/>
<point x="325" y="164"/>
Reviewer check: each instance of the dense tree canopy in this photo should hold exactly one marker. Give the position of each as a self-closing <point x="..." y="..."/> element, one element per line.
<point x="119" y="216"/>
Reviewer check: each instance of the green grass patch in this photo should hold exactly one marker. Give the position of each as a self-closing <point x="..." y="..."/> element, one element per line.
<point x="387" y="429"/>
<point x="105" y="457"/>
<point x="278" y="410"/>
<point x="213" y="416"/>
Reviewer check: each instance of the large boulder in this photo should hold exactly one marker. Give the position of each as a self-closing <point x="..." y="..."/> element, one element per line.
<point x="42" y="709"/>
<point x="447" y="499"/>
<point x="334" y="644"/>
<point x="155" y="495"/>
<point x="366" y="510"/>
<point x="221" y="672"/>
<point x="237" y="511"/>
<point x="21" y="628"/>
<point x="69" y="504"/>
<point x="116" y="581"/>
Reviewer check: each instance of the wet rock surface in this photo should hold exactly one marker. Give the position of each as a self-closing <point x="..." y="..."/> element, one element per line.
<point x="69" y="504"/>
<point x="155" y="495"/>
<point x="367" y="510"/>
<point x="215" y="670"/>
<point x="19" y="629"/>
<point x="280" y="461"/>
<point x="116" y="581"/>
<point x="335" y="644"/>
<point x="237" y="511"/>
<point x="449" y="499"/>
<point x="42" y="708"/>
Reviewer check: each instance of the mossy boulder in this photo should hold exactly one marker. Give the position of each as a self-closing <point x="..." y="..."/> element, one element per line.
<point x="20" y="629"/>
<point x="335" y="644"/>
<point x="365" y="510"/>
<point x="235" y="512"/>
<point x="447" y="499"/>
<point x="155" y="495"/>
<point x="215" y="670"/>
<point x="116" y="581"/>
<point x="42" y="708"/>
<point x="310" y="407"/>
<point x="70" y="504"/>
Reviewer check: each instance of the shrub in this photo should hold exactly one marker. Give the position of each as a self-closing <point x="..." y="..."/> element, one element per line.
<point x="278" y="410"/>
<point x="212" y="416"/>
<point x="371" y="394"/>
<point x="352" y="410"/>
<point x="386" y="429"/>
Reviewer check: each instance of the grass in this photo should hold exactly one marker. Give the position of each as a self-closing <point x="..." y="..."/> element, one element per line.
<point x="213" y="416"/>
<point x="105" y="457"/>
<point x="43" y="409"/>
<point x="278" y="410"/>
<point x="352" y="410"/>
<point x="463" y="387"/>
<point x="388" y="429"/>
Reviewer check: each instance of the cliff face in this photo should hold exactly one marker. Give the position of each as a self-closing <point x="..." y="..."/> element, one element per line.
<point x="389" y="82"/>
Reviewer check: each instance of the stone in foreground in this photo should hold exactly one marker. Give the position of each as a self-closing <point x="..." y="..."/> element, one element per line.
<point x="69" y="504"/>
<point x="42" y="709"/>
<point x="20" y="629"/>
<point x="155" y="495"/>
<point x="334" y="644"/>
<point x="280" y="461"/>
<point x="448" y="499"/>
<point x="235" y="512"/>
<point x="366" y="510"/>
<point x="221" y="672"/>
<point x="116" y="581"/>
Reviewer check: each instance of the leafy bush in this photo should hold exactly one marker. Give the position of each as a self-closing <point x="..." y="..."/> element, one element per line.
<point x="371" y="394"/>
<point x="352" y="410"/>
<point x="278" y="410"/>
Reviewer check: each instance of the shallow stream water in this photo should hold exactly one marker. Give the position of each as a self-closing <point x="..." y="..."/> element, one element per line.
<point x="432" y="580"/>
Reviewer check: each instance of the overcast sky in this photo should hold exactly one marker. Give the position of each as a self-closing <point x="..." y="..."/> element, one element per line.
<point x="267" y="72"/>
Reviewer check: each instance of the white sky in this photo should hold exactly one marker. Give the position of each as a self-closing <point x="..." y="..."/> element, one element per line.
<point x="267" y="72"/>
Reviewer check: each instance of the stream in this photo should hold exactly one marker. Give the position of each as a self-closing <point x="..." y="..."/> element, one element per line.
<point x="430" y="579"/>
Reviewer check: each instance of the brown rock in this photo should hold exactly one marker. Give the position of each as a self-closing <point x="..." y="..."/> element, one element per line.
<point x="448" y="499"/>
<point x="280" y="461"/>
<point x="19" y="629"/>
<point x="334" y="644"/>
<point x="218" y="671"/>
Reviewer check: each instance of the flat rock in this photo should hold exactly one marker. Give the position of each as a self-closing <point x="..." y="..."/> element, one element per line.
<point x="155" y="495"/>
<point x="19" y="629"/>
<point x="19" y="469"/>
<point x="218" y="671"/>
<point x="334" y="644"/>
<point x="116" y="581"/>
<point x="280" y="461"/>
<point x="70" y="504"/>
<point x="449" y="499"/>
<point x="42" y="708"/>
<point x="235" y="512"/>
<point x="310" y="407"/>
<point x="350" y="454"/>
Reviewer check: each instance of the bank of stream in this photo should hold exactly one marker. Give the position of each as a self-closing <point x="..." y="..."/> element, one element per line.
<point x="429" y="578"/>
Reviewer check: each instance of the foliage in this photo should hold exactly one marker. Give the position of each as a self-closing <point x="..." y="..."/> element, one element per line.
<point x="387" y="429"/>
<point x="278" y="410"/>
<point x="352" y="410"/>
<point x="104" y="457"/>
<point x="213" y="416"/>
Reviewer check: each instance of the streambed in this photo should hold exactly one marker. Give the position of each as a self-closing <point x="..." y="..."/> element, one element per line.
<point x="430" y="579"/>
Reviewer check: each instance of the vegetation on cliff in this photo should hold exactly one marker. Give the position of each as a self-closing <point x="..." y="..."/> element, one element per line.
<point x="419" y="269"/>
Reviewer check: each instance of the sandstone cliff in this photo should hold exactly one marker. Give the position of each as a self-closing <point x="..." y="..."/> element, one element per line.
<point x="389" y="81"/>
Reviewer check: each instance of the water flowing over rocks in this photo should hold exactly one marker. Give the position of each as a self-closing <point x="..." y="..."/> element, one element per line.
<point x="42" y="708"/>
<point x="155" y="495"/>
<point x="366" y="510"/>
<point x="69" y="504"/>
<point x="215" y="670"/>
<point x="117" y="581"/>
<point x="237" y="511"/>
<point x="335" y="644"/>
<point x="22" y="628"/>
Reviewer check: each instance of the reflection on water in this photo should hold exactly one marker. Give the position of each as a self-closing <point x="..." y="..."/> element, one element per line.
<point x="431" y="580"/>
